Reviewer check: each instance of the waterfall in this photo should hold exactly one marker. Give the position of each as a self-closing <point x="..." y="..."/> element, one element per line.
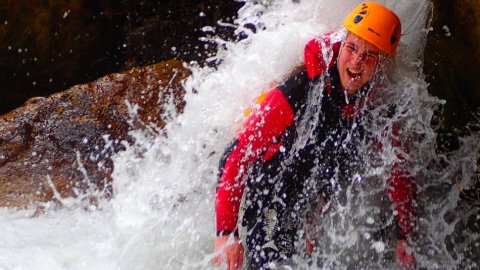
<point x="162" y="212"/>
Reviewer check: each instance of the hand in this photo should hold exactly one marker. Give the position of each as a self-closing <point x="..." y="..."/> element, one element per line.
<point x="404" y="252"/>
<point x="229" y="251"/>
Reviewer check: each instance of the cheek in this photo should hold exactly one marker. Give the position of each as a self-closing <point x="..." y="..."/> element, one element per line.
<point x="344" y="58"/>
<point x="340" y="63"/>
<point x="369" y="70"/>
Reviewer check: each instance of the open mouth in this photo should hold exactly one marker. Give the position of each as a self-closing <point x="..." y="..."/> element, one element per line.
<point x="354" y="74"/>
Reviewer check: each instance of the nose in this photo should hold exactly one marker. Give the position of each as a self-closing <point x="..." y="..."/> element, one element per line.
<point x="358" y="58"/>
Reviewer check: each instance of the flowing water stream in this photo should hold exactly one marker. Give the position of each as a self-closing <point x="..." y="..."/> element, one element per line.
<point x="162" y="213"/>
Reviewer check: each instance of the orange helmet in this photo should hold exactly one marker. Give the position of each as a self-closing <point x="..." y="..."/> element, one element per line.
<point x="376" y="24"/>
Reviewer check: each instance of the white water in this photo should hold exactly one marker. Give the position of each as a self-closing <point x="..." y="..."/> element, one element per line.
<point x="162" y="212"/>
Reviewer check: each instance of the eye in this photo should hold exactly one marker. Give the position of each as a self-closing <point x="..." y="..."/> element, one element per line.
<point x="350" y="47"/>
<point x="373" y="57"/>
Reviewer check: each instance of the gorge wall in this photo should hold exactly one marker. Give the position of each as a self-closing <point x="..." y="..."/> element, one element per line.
<point x="49" y="46"/>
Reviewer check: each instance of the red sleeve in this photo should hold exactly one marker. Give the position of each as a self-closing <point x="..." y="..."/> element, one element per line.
<point x="401" y="188"/>
<point x="258" y="132"/>
<point x="314" y="60"/>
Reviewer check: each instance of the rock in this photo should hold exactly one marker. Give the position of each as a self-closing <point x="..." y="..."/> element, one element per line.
<point x="64" y="43"/>
<point x="452" y="58"/>
<point x="61" y="140"/>
<point x="60" y="44"/>
<point x="164" y="29"/>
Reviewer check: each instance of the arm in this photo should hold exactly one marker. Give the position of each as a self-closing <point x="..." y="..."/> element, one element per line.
<point x="401" y="188"/>
<point x="258" y="132"/>
<point x="402" y="192"/>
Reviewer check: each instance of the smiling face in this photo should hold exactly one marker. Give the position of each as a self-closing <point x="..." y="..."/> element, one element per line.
<point x="357" y="63"/>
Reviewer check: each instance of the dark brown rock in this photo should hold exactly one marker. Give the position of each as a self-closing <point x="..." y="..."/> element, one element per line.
<point x="452" y="58"/>
<point x="59" y="136"/>
<point x="49" y="46"/>
<point x="452" y="61"/>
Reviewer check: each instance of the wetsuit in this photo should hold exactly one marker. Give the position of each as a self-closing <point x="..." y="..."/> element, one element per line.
<point x="288" y="152"/>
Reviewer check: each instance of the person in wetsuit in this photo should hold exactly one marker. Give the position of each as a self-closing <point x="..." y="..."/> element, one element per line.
<point x="290" y="148"/>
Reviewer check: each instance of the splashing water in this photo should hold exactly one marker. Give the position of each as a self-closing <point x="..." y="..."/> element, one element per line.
<point x="162" y="212"/>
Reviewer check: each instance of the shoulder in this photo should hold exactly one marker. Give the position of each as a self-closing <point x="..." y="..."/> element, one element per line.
<point x="321" y="53"/>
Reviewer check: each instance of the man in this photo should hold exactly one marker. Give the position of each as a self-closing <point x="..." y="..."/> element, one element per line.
<point x="303" y="135"/>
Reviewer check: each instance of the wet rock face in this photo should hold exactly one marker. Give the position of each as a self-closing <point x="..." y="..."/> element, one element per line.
<point x="67" y="140"/>
<point x="49" y="46"/>
<point x="452" y="58"/>
<point x="172" y="29"/>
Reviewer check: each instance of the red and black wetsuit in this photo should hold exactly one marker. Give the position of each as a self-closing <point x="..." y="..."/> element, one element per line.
<point x="302" y="136"/>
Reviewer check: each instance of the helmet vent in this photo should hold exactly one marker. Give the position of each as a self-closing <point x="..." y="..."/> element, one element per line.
<point x="357" y="19"/>
<point x="393" y="39"/>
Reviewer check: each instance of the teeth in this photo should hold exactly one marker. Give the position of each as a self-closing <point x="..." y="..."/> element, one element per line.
<point x="354" y="72"/>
